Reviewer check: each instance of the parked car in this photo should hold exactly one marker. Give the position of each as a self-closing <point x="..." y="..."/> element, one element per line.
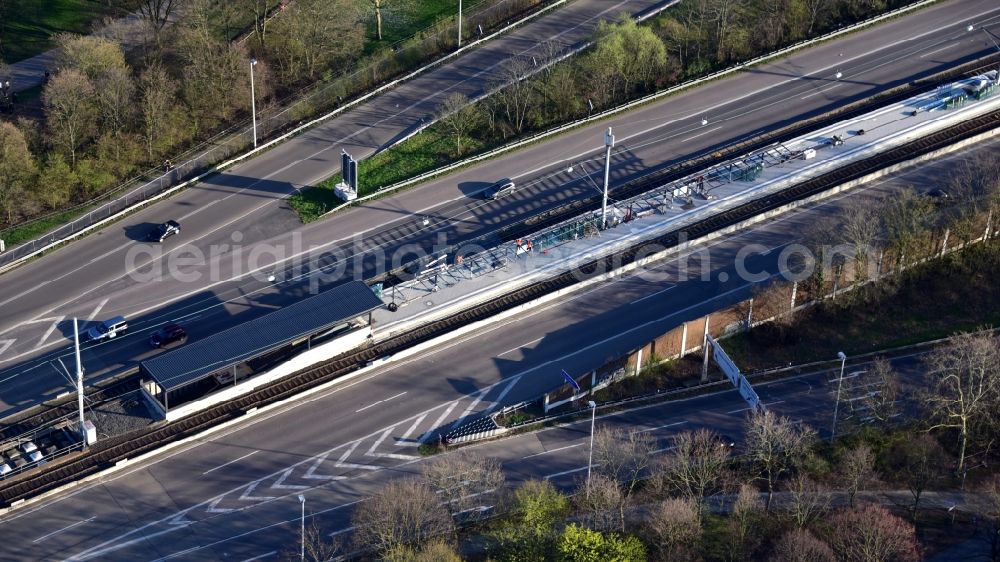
<point x="500" y="189"/>
<point x="168" y="336"/>
<point x="4" y="470"/>
<point x="164" y="231"/>
<point x="107" y="329"/>
<point x="938" y="194"/>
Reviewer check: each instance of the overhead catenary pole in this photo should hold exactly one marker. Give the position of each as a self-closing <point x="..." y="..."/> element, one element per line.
<point x="79" y="381"/>
<point x="836" y="405"/>
<point x="609" y="143"/>
<point x="459" y="23"/>
<point x="590" y="459"/>
<point x="253" y="102"/>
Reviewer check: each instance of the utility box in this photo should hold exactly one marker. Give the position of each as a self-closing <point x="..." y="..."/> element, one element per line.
<point x="345" y="192"/>
<point x="89" y="432"/>
<point x="809" y="153"/>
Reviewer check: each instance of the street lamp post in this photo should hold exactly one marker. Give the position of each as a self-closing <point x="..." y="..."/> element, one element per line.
<point x="609" y="143"/>
<point x="590" y="460"/>
<point x="253" y="102"/>
<point x="302" y="540"/>
<point x="836" y="405"/>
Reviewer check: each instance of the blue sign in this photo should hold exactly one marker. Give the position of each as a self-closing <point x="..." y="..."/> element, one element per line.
<point x="570" y="380"/>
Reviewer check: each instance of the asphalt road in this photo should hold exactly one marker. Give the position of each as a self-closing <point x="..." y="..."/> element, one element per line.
<point x="91" y="279"/>
<point x="232" y="495"/>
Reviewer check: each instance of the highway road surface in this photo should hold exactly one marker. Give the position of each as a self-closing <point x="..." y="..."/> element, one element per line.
<point x="232" y="495"/>
<point x="96" y="278"/>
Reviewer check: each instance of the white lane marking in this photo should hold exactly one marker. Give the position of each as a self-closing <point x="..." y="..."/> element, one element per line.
<point x="480" y="397"/>
<point x="522" y="346"/>
<point x="657" y="293"/>
<point x="703" y="133"/>
<point x="230" y="462"/>
<point x="342" y="531"/>
<point x="343" y="458"/>
<point x="945" y="48"/>
<point x="402" y="441"/>
<point x="52" y="328"/>
<point x="66" y="528"/>
<point x="565" y="472"/>
<point x="660" y="426"/>
<point x="427" y="434"/>
<point x="262" y="556"/>
<point x="4" y="344"/>
<point x="551" y="451"/>
<point x="380" y="401"/>
<point x="747" y="408"/>
<point x="280" y="484"/>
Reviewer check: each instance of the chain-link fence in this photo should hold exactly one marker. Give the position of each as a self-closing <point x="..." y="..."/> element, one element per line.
<point x="433" y="43"/>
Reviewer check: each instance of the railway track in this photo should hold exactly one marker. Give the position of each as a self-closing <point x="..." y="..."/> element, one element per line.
<point x="109" y="452"/>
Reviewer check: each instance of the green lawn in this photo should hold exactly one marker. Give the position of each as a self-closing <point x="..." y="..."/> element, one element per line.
<point x="31" y="24"/>
<point x="425" y="152"/>
<point x="420" y="16"/>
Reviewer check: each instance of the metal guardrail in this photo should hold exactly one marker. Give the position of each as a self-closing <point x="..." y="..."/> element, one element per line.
<point x="199" y="161"/>
<point x="107" y="453"/>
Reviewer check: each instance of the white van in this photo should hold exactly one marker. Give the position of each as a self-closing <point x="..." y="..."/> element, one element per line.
<point x="107" y="329"/>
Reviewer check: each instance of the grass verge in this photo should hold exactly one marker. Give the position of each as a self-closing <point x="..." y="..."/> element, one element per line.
<point x="33" y="23"/>
<point x="427" y="151"/>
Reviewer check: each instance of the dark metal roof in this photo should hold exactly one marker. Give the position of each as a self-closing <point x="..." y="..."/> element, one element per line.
<point x="260" y="335"/>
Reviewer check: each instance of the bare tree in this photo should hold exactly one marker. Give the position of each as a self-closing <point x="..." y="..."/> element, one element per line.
<point x="919" y="463"/>
<point x="861" y="228"/>
<point x="967" y="393"/>
<point x="69" y="107"/>
<point x="156" y="93"/>
<point x="623" y="455"/>
<point x="696" y="464"/>
<point x="312" y="36"/>
<point x="458" y="115"/>
<point x="857" y="470"/>
<point x="514" y="93"/>
<point x="881" y="399"/>
<point x="808" y="500"/>
<point x="743" y="521"/>
<point x="675" y="524"/>
<point x="602" y="503"/>
<point x="318" y="547"/>
<point x="17" y="166"/>
<point x="115" y="103"/>
<point x="92" y="55"/>
<point x="991" y="493"/>
<point x="434" y="550"/>
<point x="907" y="219"/>
<point x="775" y="445"/>
<point x="403" y="512"/>
<point x="872" y="534"/>
<point x="799" y="545"/>
<point x="156" y="14"/>
<point x="815" y="9"/>
<point x="465" y="482"/>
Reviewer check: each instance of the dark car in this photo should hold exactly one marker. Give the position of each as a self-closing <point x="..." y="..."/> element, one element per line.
<point x="164" y="231"/>
<point x="499" y="189"/>
<point x="938" y="194"/>
<point x="170" y="335"/>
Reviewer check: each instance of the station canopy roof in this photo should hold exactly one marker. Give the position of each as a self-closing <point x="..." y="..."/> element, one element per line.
<point x="256" y="337"/>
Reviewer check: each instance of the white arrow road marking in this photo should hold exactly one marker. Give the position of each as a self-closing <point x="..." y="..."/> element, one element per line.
<point x="402" y="441"/>
<point x="371" y="451"/>
<point x="347" y="453"/>
<point x="311" y="473"/>
<point x="280" y="485"/>
<point x="250" y="489"/>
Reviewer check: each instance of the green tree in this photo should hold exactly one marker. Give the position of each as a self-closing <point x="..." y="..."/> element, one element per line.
<point x="91" y="55"/>
<point x="579" y="544"/>
<point x="434" y="550"/>
<point x="56" y="182"/>
<point x="459" y="116"/>
<point x="311" y="37"/>
<point x="528" y="534"/>
<point x="17" y="166"/>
